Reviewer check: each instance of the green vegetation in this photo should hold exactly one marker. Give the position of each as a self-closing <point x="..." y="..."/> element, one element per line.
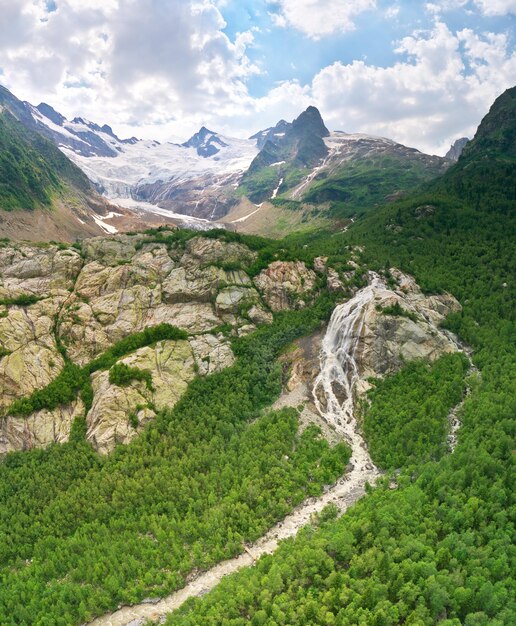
<point x="85" y="533"/>
<point x="32" y="169"/>
<point x="21" y="300"/>
<point x="406" y="423"/>
<point x="123" y="375"/>
<point x="438" y="548"/>
<point x="73" y="379"/>
<point x="300" y="246"/>
<point x="366" y="184"/>
<point x="258" y="184"/>
<point x="397" y="310"/>
<point x="432" y="544"/>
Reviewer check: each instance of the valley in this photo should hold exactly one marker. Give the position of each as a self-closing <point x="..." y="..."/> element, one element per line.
<point x="296" y="169"/>
<point x="200" y="425"/>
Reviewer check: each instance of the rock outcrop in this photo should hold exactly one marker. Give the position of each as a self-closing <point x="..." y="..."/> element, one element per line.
<point x="89" y="298"/>
<point x="381" y="328"/>
<point x="286" y="284"/>
<point x="66" y="303"/>
<point x="40" y="429"/>
<point x="30" y="357"/>
<point x="118" y="413"/>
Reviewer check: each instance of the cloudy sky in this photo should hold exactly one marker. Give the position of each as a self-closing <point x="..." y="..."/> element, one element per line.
<point x="422" y="73"/>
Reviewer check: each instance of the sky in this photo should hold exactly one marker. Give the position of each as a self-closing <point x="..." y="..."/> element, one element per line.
<point x="421" y="73"/>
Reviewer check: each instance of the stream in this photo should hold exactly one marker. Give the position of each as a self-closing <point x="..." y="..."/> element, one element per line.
<point x="333" y="397"/>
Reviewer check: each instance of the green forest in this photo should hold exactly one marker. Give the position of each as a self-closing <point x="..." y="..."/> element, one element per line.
<point x="430" y="543"/>
<point x="437" y="549"/>
<point x="200" y="481"/>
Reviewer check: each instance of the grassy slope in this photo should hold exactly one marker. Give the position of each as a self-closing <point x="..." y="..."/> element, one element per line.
<point x="365" y="184"/>
<point x="32" y="169"/>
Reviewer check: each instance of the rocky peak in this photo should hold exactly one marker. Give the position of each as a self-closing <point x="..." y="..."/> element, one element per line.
<point x="456" y="149"/>
<point x="108" y="130"/>
<point x="206" y="142"/>
<point x="310" y="121"/>
<point x="50" y="113"/>
<point x="271" y="134"/>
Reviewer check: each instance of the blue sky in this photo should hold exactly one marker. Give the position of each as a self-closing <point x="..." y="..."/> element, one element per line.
<point x="289" y="54"/>
<point x="423" y="73"/>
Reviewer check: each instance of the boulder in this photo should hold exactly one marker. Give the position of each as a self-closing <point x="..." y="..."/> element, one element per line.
<point x="40" y="271"/>
<point x="258" y="315"/>
<point x="193" y="284"/>
<point x="112" y="250"/>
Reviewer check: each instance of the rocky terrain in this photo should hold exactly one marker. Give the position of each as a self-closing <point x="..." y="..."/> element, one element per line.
<point x="86" y="300"/>
<point x="65" y="303"/>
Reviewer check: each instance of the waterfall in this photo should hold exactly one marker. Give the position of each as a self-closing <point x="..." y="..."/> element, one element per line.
<point x="334" y="387"/>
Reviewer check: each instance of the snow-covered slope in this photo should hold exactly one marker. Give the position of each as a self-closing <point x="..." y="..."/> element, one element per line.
<point x="186" y="178"/>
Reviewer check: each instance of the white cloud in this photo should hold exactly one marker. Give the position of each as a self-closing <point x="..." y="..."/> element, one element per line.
<point x="447" y="82"/>
<point x="439" y="90"/>
<point x="167" y="65"/>
<point x="488" y="8"/>
<point x="164" y="71"/>
<point x="319" y="18"/>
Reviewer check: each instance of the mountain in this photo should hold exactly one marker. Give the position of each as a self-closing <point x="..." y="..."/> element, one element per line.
<point x="206" y="143"/>
<point x="294" y="165"/>
<point x="195" y="400"/>
<point x="195" y="178"/>
<point x="42" y="193"/>
<point x="362" y="172"/>
<point x="485" y="174"/>
<point x="271" y="134"/>
<point x="288" y="149"/>
<point x="456" y="149"/>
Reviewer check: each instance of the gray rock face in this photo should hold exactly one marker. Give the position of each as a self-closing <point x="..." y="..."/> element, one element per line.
<point x="38" y="430"/>
<point x="286" y="284"/>
<point x="30" y="357"/>
<point x="233" y="299"/>
<point x="456" y="149"/>
<point x="388" y="341"/>
<point x="91" y="299"/>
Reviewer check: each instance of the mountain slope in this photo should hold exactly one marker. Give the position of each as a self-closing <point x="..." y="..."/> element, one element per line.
<point x="31" y="168"/>
<point x="485" y="174"/>
<point x="349" y="173"/>
<point x="363" y="172"/>
<point x="433" y="543"/>
<point x="287" y="150"/>
<point x="42" y="193"/>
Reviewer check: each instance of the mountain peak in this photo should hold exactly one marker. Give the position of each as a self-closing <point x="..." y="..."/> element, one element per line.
<point x="51" y="114"/>
<point x="205" y="141"/>
<point x="312" y="121"/>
